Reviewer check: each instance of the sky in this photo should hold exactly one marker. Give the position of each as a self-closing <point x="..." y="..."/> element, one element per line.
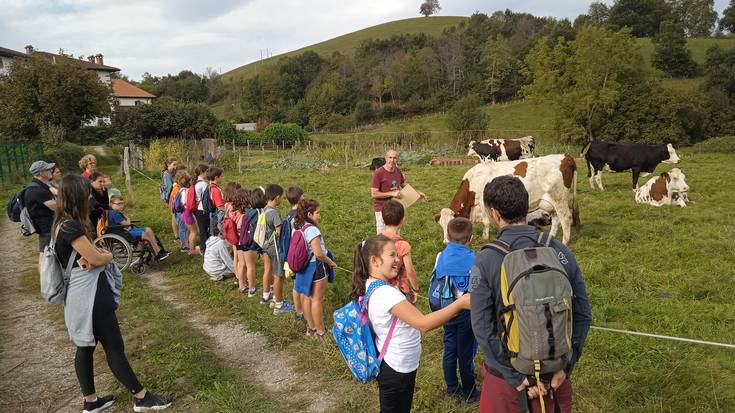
<point x="167" y="36"/>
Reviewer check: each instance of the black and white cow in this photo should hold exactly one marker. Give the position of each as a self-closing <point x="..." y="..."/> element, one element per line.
<point x="377" y="163"/>
<point x="502" y="149"/>
<point x="618" y="157"/>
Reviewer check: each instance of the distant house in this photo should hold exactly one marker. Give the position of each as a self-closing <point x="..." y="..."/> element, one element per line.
<point x="6" y="59"/>
<point x="246" y="126"/>
<point x="127" y="94"/>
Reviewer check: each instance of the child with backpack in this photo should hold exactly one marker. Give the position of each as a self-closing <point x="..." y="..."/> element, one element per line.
<point x="166" y="189"/>
<point x="407" y="281"/>
<point x="294" y="194"/>
<point x="202" y="217"/>
<point x="251" y="249"/>
<point x="185" y="205"/>
<point x="450" y="280"/>
<point x="182" y="232"/>
<point x="236" y="214"/>
<point x="311" y="280"/>
<point x="271" y="259"/>
<point x="396" y="324"/>
<point x="229" y="226"/>
<point x="212" y="200"/>
<point x="116" y="217"/>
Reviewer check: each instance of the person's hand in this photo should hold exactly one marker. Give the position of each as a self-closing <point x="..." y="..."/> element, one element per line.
<point x="523" y="386"/>
<point x="396" y="194"/>
<point x="414" y="296"/>
<point x="464" y="301"/>
<point x="332" y="264"/>
<point x="558" y="378"/>
<point x="422" y="196"/>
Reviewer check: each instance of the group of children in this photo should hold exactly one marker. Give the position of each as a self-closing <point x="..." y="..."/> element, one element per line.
<point x="228" y="230"/>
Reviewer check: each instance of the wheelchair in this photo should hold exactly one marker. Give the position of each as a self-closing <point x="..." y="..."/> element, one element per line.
<point x="127" y="251"/>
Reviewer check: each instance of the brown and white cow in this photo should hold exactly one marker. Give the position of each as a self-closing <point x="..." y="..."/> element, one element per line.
<point x="502" y="149"/>
<point x="669" y="188"/>
<point x="551" y="182"/>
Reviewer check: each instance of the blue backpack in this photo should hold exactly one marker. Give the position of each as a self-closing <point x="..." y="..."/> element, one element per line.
<point x="207" y="204"/>
<point x="284" y="240"/>
<point x="354" y="337"/>
<point x="179" y="202"/>
<point x="441" y="290"/>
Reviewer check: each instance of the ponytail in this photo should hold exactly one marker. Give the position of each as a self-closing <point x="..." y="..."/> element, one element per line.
<point x="372" y="247"/>
<point x="305" y="207"/>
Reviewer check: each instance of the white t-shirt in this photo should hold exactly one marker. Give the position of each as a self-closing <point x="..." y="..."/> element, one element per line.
<point x="199" y="188"/>
<point x="404" y="350"/>
<point x="310" y="233"/>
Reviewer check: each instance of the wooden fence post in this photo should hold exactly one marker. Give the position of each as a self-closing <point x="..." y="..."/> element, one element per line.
<point x="346" y="158"/>
<point x="239" y="160"/>
<point x="248" y="148"/>
<point x="126" y="169"/>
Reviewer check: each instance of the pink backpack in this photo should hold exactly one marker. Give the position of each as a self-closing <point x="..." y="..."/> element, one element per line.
<point x="298" y="251"/>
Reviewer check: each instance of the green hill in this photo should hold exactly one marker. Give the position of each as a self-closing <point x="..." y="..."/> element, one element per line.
<point x="347" y="43"/>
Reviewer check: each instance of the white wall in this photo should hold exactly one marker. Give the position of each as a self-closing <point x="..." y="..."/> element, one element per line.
<point x="126" y="102"/>
<point x="104" y="77"/>
<point x="5" y="63"/>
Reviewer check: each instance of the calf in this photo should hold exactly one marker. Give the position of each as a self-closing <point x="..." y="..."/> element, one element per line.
<point x="502" y="149"/>
<point x="377" y="163"/>
<point x="667" y="189"/>
<point x="620" y="157"/>
<point x="549" y="180"/>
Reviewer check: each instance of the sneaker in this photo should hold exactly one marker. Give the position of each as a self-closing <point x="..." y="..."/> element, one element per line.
<point x="299" y="316"/>
<point x="184" y="249"/>
<point x="265" y="300"/>
<point x="473" y="397"/>
<point x="285" y="308"/>
<point x="98" y="405"/>
<point x="162" y="255"/>
<point x="253" y="293"/>
<point x="151" y="402"/>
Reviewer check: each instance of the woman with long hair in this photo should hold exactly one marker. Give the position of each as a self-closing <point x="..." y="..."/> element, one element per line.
<point x="311" y="282"/>
<point x="89" y="165"/>
<point x="167" y="184"/>
<point x="92" y="297"/>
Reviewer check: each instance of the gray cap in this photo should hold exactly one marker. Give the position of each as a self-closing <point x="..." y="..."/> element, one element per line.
<point x="40" y="166"/>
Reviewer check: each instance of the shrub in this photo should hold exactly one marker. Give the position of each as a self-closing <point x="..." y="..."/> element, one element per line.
<point x="288" y="133"/>
<point x="364" y="112"/>
<point x="338" y="123"/>
<point x="66" y="156"/>
<point x="226" y="132"/>
<point x="91" y="135"/>
<point x="467" y="115"/>
<point x="721" y="144"/>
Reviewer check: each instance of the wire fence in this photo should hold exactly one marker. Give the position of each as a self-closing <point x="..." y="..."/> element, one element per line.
<point x="15" y="159"/>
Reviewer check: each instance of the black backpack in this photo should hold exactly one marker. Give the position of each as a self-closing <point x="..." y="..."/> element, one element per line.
<point x="15" y="204"/>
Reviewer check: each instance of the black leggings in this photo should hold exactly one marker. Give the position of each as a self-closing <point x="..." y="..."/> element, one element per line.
<point x="107" y="331"/>
<point x="203" y="224"/>
<point x="395" y="389"/>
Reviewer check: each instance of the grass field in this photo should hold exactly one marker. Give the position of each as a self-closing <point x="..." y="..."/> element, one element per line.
<point x="663" y="270"/>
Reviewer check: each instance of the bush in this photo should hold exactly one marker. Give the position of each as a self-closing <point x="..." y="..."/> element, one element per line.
<point x="91" y="135"/>
<point x="165" y="117"/>
<point x="722" y="144"/>
<point x="288" y="133"/>
<point x="66" y="156"/>
<point x="466" y="115"/>
<point x="364" y="112"/>
<point x="226" y="132"/>
<point x="339" y="123"/>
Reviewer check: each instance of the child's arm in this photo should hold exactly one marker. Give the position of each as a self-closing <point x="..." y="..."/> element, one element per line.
<point x="413" y="280"/>
<point x="411" y="315"/>
<point x="319" y="254"/>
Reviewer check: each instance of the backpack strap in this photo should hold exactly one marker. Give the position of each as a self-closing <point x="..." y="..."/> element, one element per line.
<point x="374" y="286"/>
<point x="498" y="245"/>
<point x="544" y="239"/>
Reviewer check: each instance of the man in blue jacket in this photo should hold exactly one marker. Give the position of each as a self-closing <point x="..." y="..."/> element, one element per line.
<point x="506" y="201"/>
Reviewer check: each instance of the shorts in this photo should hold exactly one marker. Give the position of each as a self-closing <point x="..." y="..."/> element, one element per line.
<point x="276" y="265"/>
<point x="137" y="232"/>
<point x="44" y="240"/>
<point x="320" y="273"/>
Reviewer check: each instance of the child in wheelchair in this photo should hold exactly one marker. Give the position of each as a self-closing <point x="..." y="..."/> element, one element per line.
<point x="116" y="219"/>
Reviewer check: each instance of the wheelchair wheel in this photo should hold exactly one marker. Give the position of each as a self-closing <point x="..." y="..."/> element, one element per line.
<point x="122" y="252"/>
<point x="138" y="267"/>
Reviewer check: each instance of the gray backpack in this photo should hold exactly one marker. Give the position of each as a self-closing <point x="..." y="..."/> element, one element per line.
<point x="535" y="325"/>
<point x="54" y="279"/>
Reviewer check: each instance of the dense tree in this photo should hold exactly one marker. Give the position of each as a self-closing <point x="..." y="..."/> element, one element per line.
<point x="583" y="78"/>
<point x="501" y="76"/>
<point x="297" y="73"/>
<point x="37" y="94"/>
<point x="186" y="86"/>
<point x="429" y="7"/>
<point x="165" y="117"/>
<point x="727" y="23"/>
<point x="643" y="16"/>
<point x="599" y="13"/>
<point x="466" y="115"/>
<point x="719" y="70"/>
<point x="697" y="17"/>
<point x="670" y="53"/>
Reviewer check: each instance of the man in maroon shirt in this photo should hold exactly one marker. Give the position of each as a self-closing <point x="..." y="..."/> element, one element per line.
<point x="386" y="184"/>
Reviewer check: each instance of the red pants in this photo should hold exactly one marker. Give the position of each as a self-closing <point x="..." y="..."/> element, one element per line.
<point x="499" y="397"/>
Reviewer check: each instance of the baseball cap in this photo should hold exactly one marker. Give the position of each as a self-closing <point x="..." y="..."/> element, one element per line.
<point x="40" y="166"/>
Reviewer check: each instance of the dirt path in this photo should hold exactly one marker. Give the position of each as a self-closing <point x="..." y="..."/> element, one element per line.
<point x="273" y="373"/>
<point x="36" y="356"/>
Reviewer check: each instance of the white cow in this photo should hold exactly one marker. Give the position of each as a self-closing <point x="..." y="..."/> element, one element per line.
<point x="669" y="188"/>
<point x="551" y="182"/>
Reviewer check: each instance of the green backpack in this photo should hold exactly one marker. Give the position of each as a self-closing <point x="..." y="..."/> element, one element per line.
<point x="535" y="325"/>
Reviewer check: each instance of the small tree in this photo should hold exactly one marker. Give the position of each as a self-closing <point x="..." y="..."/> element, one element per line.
<point x="727" y="23"/>
<point x="671" y="54"/>
<point x="466" y="115"/>
<point x="429" y="7"/>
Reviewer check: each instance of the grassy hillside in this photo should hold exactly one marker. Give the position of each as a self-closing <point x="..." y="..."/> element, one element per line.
<point x="347" y="43"/>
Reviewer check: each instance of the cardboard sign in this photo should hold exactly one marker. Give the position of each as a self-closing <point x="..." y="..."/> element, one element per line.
<point x="408" y="196"/>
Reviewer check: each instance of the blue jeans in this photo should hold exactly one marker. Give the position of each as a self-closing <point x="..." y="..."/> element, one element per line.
<point x="460" y="347"/>
<point x="183" y="232"/>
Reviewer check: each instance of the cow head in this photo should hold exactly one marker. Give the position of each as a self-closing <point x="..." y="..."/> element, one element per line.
<point x="471" y="147"/>
<point x="676" y="183"/>
<point x="673" y="157"/>
<point x="443" y="218"/>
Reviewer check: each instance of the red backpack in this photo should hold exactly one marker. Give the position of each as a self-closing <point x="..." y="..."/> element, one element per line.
<point x="229" y="229"/>
<point x="191" y="199"/>
<point x="298" y="251"/>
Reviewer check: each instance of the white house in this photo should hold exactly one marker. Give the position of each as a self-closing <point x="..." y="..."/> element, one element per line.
<point x="127" y="94"/>
<point x="6" y="59"/>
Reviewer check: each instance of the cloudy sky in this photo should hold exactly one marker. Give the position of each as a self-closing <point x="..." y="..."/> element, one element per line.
<point x="166" y="36"/>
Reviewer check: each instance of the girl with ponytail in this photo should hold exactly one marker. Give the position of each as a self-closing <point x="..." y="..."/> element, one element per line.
<point x="376" y="259"/>
<point x="311" y="282"/>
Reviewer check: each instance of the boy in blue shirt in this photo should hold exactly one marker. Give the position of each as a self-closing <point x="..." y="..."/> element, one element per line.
<point x="460" y="345"/>
<point x="116" y="217"/>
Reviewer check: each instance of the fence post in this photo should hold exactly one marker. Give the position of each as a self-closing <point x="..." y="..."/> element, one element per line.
<point x="248" y="148"/>
<point x="126" y="169"/>
<point x="239" y="160"/>
<point x="346" y="158"/>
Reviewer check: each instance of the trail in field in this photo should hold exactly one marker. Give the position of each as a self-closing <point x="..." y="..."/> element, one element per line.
<point x="270" y="368"/>
<point x="36" y="355"/>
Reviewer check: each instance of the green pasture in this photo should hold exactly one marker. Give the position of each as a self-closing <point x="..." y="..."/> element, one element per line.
<point x="663" y="270"/>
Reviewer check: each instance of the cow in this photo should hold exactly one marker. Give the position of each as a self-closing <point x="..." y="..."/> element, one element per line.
<point x="377" y="163"/>
<point x="669" y="188"/>
<point x="550" y="182"/>
<point x="618" y="157"/>
<point x="502" y="149"/>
